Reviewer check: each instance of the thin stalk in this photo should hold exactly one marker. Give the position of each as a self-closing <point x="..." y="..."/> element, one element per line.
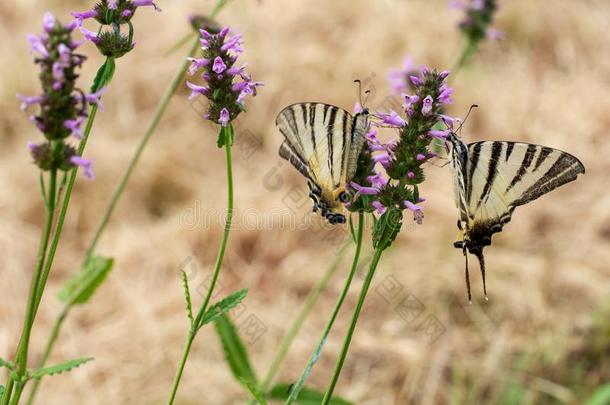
<point x="63" y="211"/>
<point x="350" y="332"/>
<point x="466" y="54"/>
<point x="24" y="341"/>
<point x="228" y="137"/>
<point x="152" y="126"/>
<point x="52" y="339"/>
<point x="294" y="392"/>
<point x="310" y="301"/>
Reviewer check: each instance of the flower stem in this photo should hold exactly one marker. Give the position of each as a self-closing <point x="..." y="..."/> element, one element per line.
<point x="228" y="134"/>
<point x="152" y="126"/>
<point x="24" y="342"/>
<point x="466" y="54"/>
<point x="311" y="299"/>
<point x="52" y="339"/>
<point x="294" y="392"/>
<point x="350" y="332"/>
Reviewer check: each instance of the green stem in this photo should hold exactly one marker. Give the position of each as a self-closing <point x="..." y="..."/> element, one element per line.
<point x="53" y="338"/>
<point x="467" y="53"/>
<point x="24" y="342"/>
<point x="8" y="390"/>
<point x="350" y="332"/>
<point x="294" y="392"/>
<point x="228" y="135"/>
<point x="152" y="127"/>
<point x="311" y="299"/>
<point x="63" y="211"/>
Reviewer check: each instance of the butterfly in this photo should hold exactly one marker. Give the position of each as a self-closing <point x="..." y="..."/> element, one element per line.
<point x="492" y="178"/>
<point x="323" y="143"/>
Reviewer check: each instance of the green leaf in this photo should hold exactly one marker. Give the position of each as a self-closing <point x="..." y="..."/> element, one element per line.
<point x="386" y="228"/>
<point x="80" y="287"/>
<point x="234" y="351"/>
<point x="59" y="368"/>
<point x="601" y="396"/>
<point x="1" y="391"/>
<point x="255" y="391"/>
<point x="187" y="297"/>
<point x="223" y="306"/>
<point x="307" y="396"/>
<point x="104" y="75"/>
<point x="6" y="364"/>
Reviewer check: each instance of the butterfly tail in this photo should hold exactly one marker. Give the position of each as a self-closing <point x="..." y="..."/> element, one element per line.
<point x="481" y="258"/>
<point x="467" y="275"/>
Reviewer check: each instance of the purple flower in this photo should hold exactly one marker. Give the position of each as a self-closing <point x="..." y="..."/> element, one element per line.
<point x="197" y="64"/>
<point x="224" y="117"/>
<point x="28" y="101"/>
<point x="379" y="207"/>
<point x="140" y="3"/>
<point x="363" y="190"/>
<point x="233" y="44"/>
<point x="219" y="66"/>
<point x="427" y="106"/>
<point x="420" y="157"/>
<point x="48" y="22"/>
<point x="95" y="98"/>
<point x="410" y="175"/>
<point x="90" y="35"/>
<point x="75" y="127"/>
<point x="435" y="133"/>
<point x="112" y="4"/>
<point x="377" y="180"/>
<point x="416" y="81"/>
<point x="196" y="90"/>
<point x="85" y="15"/>
<point x="418" y="214"/>
<point x="447" y="120"/>
<point x="383" y="159"/>
<point x="86" y="164"/>
<point x="445" y="94"/>
<point x="37" y="45"/>
<point x="397" y="78"/>
<point x="392" y="119"/>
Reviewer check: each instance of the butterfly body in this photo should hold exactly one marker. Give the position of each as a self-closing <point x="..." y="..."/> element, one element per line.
<point x="323" y="143"/>
<point x="492" y="178"/>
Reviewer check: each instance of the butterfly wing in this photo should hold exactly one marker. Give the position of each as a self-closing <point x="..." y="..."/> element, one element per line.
<point x="497" y="177"/>
<point x="504" y="175"/>
<point x="320" y="143"/>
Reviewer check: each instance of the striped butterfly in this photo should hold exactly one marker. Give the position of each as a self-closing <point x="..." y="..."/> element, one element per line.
<point x="492" y="178"/>
<point x="323" y="143"/>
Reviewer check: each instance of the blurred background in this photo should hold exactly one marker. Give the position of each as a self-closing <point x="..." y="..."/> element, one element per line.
<point x="544" y="335"/>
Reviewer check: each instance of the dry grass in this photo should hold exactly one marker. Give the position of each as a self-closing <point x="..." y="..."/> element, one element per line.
<point x="548" y="82"/>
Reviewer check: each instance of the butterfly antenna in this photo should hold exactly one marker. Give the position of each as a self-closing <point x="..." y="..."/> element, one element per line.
<point x="482" y="265"/>
<point x="466" y="117"/>
<point x="467" y="275"/>
<point x="359" y="91"/>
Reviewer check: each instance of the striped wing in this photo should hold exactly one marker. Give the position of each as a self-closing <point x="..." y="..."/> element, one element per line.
<point x="318" y="142"/>
<point x="505" y="175"/>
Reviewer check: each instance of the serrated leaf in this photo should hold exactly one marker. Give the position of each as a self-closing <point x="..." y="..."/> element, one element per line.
<point x="6" y="364"/>
<point x="386" y="228"/>
<point x="307" y="396"/>
<point x="255" y="391"/>
<point x="223" y="306"/>
<point x="234" y="351"/>
<point x="187" y="297"/>
<point x="59" y="368"/>
<point x="104" y="75"/>
<point x="80" y="287"/>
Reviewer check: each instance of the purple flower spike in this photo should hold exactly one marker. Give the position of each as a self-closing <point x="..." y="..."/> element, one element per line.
<point x="392" y="119"/>
<point x="427" y="107"/>
<point x="86" y="164"/>
<point x="224" y="117"/>
<point x="219" y="66"/>
<point x="418" y="214"/>
<point x="379" y="207"/>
